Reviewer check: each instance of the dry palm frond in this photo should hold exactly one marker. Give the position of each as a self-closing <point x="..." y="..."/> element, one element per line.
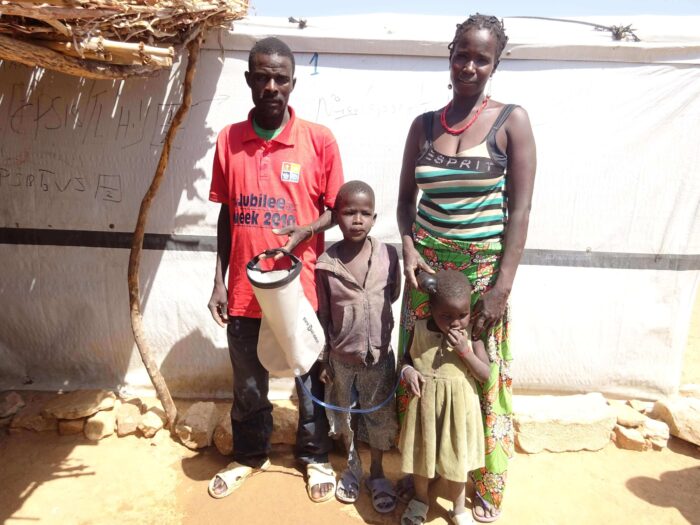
<point x="107" y="38"/>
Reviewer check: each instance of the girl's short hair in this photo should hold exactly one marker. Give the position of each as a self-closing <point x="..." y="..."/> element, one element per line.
<point x="451" y="284"/>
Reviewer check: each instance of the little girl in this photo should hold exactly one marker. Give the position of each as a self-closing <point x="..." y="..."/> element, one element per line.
<point x="442" y="432"/>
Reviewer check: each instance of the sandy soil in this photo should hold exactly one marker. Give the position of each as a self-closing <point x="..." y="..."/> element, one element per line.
<point x="47" y="478"/>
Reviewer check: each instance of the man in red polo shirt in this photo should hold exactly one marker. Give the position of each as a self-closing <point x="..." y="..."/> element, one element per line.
<point x="273" y="174"/>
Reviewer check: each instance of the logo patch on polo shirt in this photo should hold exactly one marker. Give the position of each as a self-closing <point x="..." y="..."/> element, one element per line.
<point x="290" y="172"/>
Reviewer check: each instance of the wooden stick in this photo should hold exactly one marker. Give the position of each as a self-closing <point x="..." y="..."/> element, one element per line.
<point x="96" y="43"/>
<point x="123" y="57"/>
<point x="58" y="26"/>
<point x="56" y="13"/>
<point x="101" y="46"/>
<point x="139" y="233"/>
<point x="33" y="55"/>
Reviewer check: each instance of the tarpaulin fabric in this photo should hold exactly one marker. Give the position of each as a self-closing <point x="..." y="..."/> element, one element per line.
<point x="604" y="296"/>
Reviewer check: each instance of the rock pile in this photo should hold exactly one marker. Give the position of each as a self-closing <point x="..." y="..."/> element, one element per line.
<point x="635" y="430"/>
<point x="94" y="413"/>
<point x="681" y="414"/>
<point x="588" y="422"/>
<point x="562" y="423"/>
<point x="552" y="423"/>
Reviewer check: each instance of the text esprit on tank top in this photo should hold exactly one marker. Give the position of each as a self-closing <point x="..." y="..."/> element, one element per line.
<point x="463" y="196"/>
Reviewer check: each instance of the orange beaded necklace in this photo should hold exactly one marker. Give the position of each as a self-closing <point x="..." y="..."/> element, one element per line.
<point x="453" y="131"/>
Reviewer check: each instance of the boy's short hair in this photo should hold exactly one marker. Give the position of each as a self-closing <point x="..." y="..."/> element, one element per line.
<point x="270" y="46"/>
<point x="451" y="284"/>
<point x="352" y="188"/>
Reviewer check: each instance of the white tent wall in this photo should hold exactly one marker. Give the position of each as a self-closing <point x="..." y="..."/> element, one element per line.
<point x="604" y="296"/>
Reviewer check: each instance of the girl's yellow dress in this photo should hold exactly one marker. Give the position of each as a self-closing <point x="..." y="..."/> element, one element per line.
<point x="442" y="432"/>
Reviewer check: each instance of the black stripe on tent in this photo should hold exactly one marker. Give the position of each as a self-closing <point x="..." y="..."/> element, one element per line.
<point x="105" y="239"/>
<point x="614" y="260"/>
<point x="207" y="243"/>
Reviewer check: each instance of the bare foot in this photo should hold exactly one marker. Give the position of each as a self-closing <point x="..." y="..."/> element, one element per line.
<point x="219" y="486"/>
<point x="405" y="489"/>
<point x="484" y="511"/>
<point x="320" y="490"/>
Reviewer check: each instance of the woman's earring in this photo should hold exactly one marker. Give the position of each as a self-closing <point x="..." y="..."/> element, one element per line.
<point x="449" y="86"/>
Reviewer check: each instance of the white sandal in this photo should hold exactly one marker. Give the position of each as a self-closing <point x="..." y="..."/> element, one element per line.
<point x="233" y="476"/>
<point x="319" y="474"/>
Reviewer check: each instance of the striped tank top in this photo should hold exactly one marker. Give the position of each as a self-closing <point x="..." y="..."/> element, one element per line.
<point x="464" y="197"/>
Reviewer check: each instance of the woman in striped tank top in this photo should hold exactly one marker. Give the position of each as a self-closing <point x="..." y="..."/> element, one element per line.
<point x="474" y="164"/>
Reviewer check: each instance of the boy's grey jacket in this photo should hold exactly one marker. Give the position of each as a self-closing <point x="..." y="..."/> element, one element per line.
<point x="357" y="319"/>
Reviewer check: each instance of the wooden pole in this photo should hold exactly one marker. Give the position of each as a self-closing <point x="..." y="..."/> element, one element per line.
<point x="137" y="241"/>
<point x="33" y="55"/>
<point x="96" y="49"/>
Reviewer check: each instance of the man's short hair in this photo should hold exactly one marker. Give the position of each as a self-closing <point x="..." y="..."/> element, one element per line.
<point x="270" y="46"/>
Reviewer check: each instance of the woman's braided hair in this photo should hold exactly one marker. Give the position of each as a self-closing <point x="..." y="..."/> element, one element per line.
<point x="479" y="21"/>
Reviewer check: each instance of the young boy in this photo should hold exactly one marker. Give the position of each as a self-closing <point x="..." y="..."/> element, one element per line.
<point x="357" y="280"/>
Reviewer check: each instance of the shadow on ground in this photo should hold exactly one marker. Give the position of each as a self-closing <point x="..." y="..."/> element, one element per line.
<point x="675" y="489"/>
<point x="39" y="466"/>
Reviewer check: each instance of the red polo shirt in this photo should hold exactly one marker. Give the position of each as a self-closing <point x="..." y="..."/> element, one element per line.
<point x="288" y="180"/>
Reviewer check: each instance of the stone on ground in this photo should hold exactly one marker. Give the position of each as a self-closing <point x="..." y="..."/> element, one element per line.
<point x="284" y="422"/>
<point x="626" y="415"/>
<point x="284" y="426"/>
<point x="10" y="403"/>
<point x="682" y="415"/>
<point x="641" y="406"/>
<point x="80" y="403"/>
<point x="32" y="416"/>
<point x="128" y="418"/>
<point x="100" y="425"/>
<point x="562" y="423"/>
<point x="151" y="403"/>
<point x="630" y="438"/>
<point x="137" y="401"/>
<point x="656" y="433"/>
<point x="151" y="422"/>
<point x="153" y="418"/>
<point x="68" y="427"/>
<point x="196" y="428"/>
<point x="223" y="435"/>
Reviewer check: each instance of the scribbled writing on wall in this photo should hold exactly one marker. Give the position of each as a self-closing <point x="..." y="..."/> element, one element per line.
<point x="96" y="114"/>
<point x="333" y="107"/>
<point x="100" y="186"/>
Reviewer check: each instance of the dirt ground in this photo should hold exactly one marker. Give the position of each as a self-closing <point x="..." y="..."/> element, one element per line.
<point x="46" y="478"/>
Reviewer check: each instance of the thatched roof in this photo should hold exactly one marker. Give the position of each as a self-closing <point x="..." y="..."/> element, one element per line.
<point x="107" y="38"/>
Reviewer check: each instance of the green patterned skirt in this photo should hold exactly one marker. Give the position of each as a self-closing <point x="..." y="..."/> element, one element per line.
<point x="479" y="261"/>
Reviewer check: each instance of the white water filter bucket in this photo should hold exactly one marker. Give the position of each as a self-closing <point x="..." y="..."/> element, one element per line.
<point x="291" y="338"/>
